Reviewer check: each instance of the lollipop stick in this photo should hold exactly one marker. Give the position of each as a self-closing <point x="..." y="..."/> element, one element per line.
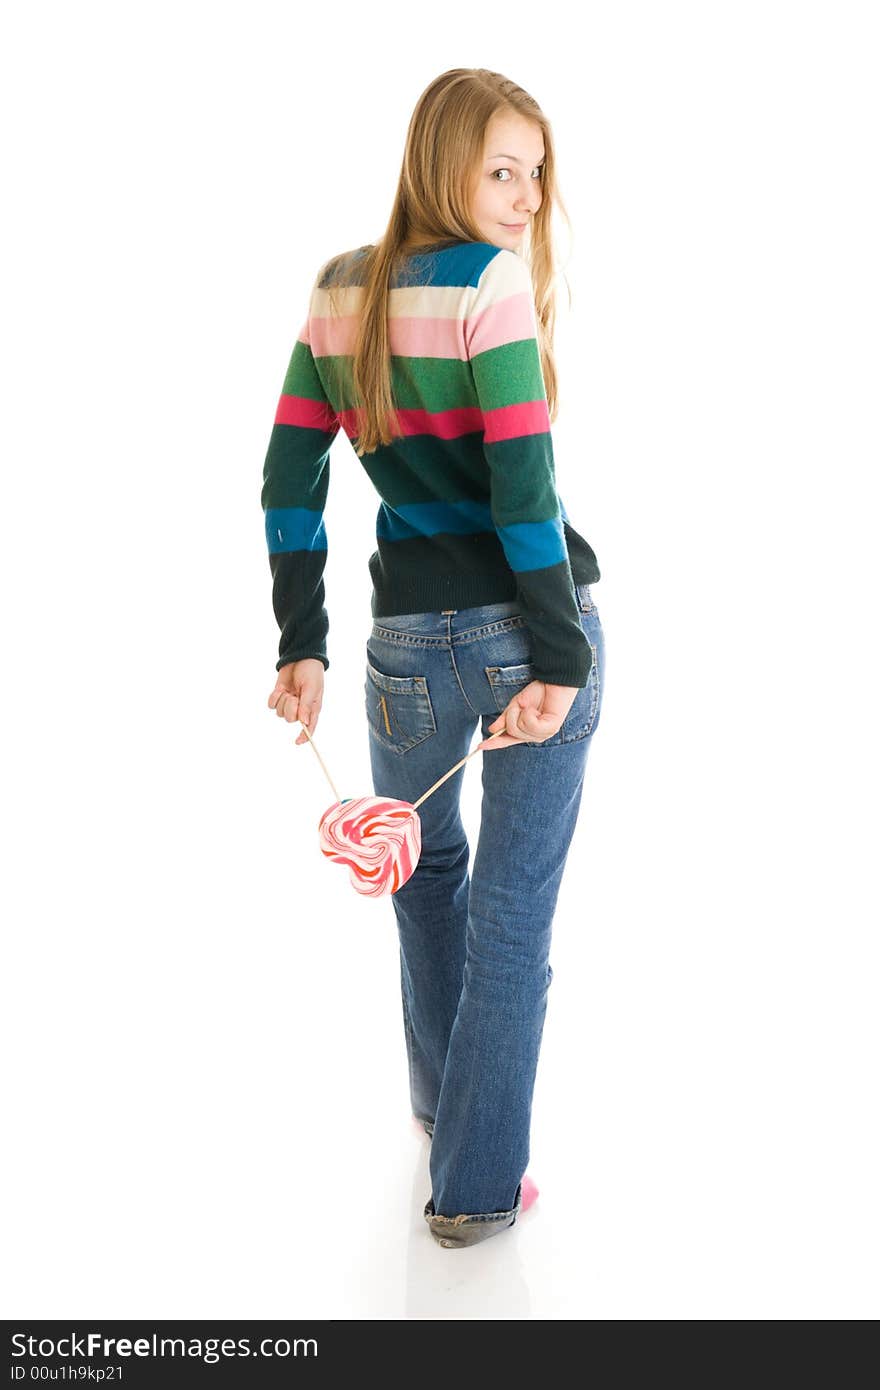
<point x="321" y="761"/>
<point x="455" y="769"/>
<point x="425" y="795"/>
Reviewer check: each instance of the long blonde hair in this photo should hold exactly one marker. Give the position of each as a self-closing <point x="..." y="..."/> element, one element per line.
<point x="441" y="163"/>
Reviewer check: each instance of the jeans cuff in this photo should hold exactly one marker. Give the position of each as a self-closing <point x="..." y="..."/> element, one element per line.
<point x="468" y="1229"/>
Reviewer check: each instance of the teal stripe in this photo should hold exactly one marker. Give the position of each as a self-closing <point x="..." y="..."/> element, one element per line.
<point x="528" y="545"/>
<point x="294" y="528"/>
<point x="462" y="518"/>
<point x="451" y="262"/>
<point x="533" y="545"/>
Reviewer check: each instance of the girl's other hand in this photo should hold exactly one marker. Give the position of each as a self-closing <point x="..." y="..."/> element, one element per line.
<point x="299" y="693"/>
<point x="535" y="714"/>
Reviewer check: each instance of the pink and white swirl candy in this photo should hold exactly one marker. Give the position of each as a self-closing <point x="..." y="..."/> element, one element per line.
<point x="380" y="840"/>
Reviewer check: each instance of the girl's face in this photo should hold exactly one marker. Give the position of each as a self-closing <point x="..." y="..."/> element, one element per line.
<point x="508" y="189"/>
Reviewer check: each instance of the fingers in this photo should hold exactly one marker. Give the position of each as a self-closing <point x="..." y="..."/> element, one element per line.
<point x="504" y="741"/>
<point x="310" y="719"/>
<point x="517" y="722"/>
<point x="295" y="708"/>
<point x="285" y="704"/>
<point x="501" y="738"/>
<point x="520" y="722"/>
<point x="308" y="716"/>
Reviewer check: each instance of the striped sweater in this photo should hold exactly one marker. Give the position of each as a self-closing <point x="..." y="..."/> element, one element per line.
<point x="469" y="512"/>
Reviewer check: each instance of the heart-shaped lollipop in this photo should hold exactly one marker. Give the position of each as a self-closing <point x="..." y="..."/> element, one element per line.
<point x="380" y="840"/>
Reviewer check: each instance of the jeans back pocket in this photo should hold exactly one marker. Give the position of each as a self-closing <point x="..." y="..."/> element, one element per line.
<point x="399" y="709"/>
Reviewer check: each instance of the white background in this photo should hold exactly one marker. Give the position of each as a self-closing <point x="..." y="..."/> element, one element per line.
<point x="205" y="1077"/>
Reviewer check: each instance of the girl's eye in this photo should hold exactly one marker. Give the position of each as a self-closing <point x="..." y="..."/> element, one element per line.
<point x="538" y="167"/>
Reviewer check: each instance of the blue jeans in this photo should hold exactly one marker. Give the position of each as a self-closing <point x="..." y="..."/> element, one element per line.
<point x="474" y="951"/>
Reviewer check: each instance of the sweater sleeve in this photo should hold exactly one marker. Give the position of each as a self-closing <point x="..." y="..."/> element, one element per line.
<point x="296" y="476"/>
<point x="502" y="342"/>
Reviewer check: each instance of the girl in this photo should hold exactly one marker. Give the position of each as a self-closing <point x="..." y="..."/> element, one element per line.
<point x="433" y="351"/>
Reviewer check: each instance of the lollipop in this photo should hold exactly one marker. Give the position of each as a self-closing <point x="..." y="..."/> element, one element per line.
<point x="377" y="837"/>
<point x="380" y="840"/>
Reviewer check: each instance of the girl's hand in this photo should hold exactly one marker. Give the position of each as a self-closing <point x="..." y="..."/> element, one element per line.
<point x="533" y="715"/>
<point x="299" y="693"/>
